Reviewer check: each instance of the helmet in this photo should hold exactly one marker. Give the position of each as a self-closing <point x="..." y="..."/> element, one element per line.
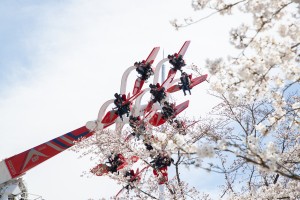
<point x="116" y="95"/>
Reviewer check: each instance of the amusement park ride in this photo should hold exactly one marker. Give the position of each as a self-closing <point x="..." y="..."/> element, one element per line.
<point x="155" y="113"/>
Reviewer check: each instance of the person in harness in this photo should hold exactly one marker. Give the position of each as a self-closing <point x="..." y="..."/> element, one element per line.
<point x="168" y="111"/>
<point x="131" y="177"/>
<point x="121" y="107"/>
<point x="176" y="61"/>
<point x="138" y="126"/>
<point x="115" y="161"/>
<point x="144" y="69"/>
<point x="158" y="93"/>
<point x="162" y="160"/>
<point x="160" y="166"/>
<point x="185" y="81"/>
<point x="179" y="126"/>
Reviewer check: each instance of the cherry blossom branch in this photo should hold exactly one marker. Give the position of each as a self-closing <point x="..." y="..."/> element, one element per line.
<point x="188" y="23"/>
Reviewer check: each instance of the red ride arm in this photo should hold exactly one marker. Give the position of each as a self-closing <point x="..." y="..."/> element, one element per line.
<point x="19" y="164"/>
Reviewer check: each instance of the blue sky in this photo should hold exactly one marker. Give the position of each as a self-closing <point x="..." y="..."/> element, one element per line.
<point x="21" y="24"/>
<point x="60" y="60"/>
<point x="14" y="28"/>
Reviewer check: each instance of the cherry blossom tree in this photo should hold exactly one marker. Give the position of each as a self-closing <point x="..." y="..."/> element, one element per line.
<point x="258" y="145"/>
<point x="252" y="137"/>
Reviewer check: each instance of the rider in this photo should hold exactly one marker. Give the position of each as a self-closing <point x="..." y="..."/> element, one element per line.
<point x="157" y="92"/>
<point x="185" y="81"/>
<point x="133" y="121"/>
<point x="180" y="126"/>
<point x="168" y="110"/>
<point x="160" y="166"/>
<point x="144" y="69"/>
<point x="162" y="160"/>
<point x="131" y="177"/>
<point x="119" y="100"/>
<point x="148" y="145"/>
<point x="115" y="161"/>
<point x="121" y="107"/>
<point x="176" y="61"/>
<point x="139" y="128"/>
<point x="137" y="125"/>
<point x="147" y="142"/>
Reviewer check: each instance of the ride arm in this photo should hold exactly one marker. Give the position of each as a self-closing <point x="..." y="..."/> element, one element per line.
<point x="19" y="164"/>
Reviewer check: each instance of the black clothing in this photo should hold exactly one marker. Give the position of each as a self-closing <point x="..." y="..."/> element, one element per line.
<point x="148" y="146"/>
<point x="131" y="177"/>
<point x="118" y="101"/>
<point x="185" y="81"/>
<point x="167" y="110"/>
<point x="144" y="70"/>
<point x="137" y="125"/>
<point x="114" y="162"/>
<point x="158" y="93"/>
<point x="176" y="61"/>
<point x="133" y="121"/>
<point x="178" y="124"/>
<point x="121" y="109"/>
<point x="162" y="161"/>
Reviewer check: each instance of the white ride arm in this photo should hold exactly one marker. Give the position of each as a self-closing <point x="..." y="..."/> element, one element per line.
<point x="103" y="109"/>
<point x="119" y="125"/>
<point x="124" y="79"/>
<point x="157" y="70"/>
<point x="137" y="109"/>
<point x="97" y="125"/>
